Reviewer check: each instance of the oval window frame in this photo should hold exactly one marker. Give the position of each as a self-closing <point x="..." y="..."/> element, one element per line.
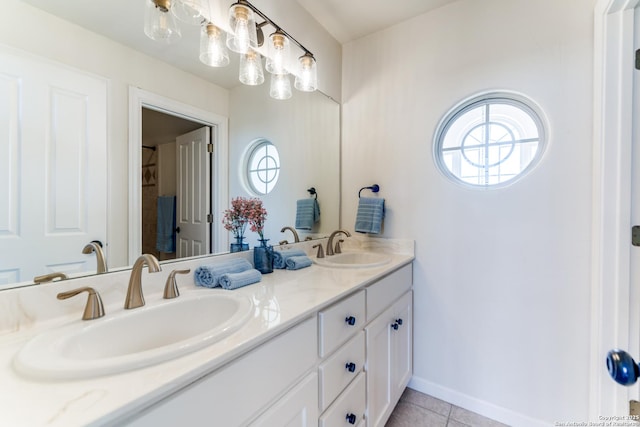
<point x="249" y="155"/>
<point x="524" y="103"/>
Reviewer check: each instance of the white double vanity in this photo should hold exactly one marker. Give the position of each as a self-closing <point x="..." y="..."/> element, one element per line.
<point x="328" y="345"/>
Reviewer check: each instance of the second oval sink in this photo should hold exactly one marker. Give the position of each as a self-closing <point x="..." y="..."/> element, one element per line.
<point x="354" y="260"/>
<point x="133" y="339"/>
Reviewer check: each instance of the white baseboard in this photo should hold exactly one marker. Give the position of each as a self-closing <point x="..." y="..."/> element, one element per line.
<point x="472" y="404"/>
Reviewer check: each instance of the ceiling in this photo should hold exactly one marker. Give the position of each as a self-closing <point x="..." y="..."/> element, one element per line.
<point x="122" y="21"/>
<point x="348" y="20"/>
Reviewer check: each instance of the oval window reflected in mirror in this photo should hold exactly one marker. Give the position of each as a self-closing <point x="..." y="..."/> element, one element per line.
<point x="262" y="168"/>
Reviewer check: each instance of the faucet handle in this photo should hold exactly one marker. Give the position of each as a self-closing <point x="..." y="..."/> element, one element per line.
<point x="320" y="253"/>
<point x="49" y="277"/>
<point x="93" y="309"/>
<point x="338" y="249"/>
<point x="171" y="287"/>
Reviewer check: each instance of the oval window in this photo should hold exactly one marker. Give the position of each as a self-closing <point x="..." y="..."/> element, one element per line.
<point x="489" y="140"/>
<point x="262" y="166"/>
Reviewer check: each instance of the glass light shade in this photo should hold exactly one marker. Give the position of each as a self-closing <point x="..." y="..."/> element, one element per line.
<point x="280" y="86"/>
<point x="307" y="76"/>
<point x="251" y="69"/>
<point x="278" y="53"/>
<point x="243" y="35"/>
<point x="213" y="51"/>
<point x="188" y="11"/>
<point x="159" y="23"/>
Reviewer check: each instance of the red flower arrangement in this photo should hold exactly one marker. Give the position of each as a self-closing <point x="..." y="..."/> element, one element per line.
<point x="245" y="211"/>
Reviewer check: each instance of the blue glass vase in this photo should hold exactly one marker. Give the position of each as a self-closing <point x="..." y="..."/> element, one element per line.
<point x="263" y="257"/>
<point x="239" y="245"/>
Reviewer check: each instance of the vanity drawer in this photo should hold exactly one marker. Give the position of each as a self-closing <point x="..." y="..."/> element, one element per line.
<point x="335" y="373"/>
<point x="388" y="289"/>
<point x="340" y="322"/>
<point x="350" y="403"/>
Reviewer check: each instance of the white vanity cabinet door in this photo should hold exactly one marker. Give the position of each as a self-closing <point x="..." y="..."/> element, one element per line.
<point x="340" y="369"/>
<point x="349" y="407"/>
<point x="232" y="395"/>
<point x="340" y="322"/>
<point x="389" y="359"/>
<point x="298" y="408"/>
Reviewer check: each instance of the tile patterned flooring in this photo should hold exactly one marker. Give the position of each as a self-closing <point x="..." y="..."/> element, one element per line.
<point x="420" y="410"/>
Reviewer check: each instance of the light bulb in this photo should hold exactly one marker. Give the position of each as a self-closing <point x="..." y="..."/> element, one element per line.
<point x="251" y="69"/>
<point x="243" y="34"/>
<point x="307" y="77"/>
<point x="280" y="86"/>
<point x="213" y="52"/>
<point x="278" y="53"/>
<point x="159" y="24"/>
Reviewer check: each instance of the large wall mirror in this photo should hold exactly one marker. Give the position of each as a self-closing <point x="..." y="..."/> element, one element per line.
<point x="305" y="129"/>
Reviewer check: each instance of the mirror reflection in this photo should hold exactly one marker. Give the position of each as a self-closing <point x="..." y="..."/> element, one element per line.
<point x="69" y="183"/>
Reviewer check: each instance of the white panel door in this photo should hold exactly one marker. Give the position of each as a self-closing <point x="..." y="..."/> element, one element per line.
<point x="193" y="193"/>
<point x="53" y="171"/>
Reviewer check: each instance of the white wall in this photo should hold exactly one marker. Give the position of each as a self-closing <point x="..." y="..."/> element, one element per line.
<point x="31" y="30"/>
<point x="501" y="277"/>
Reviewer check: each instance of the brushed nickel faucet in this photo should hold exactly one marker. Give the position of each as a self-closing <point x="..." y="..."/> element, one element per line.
<point x="293" y="230"/>
<point x="101" y="263"/>
<point x="135" y="298"/>
<point x="330" y="250"/>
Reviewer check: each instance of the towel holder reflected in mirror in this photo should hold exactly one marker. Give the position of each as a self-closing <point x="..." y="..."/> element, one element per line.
<point x="312" y="192"/>
<point x="374" y="188"/>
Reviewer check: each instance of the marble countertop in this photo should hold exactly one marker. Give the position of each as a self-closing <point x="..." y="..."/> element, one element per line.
<point x="281" y="300"/>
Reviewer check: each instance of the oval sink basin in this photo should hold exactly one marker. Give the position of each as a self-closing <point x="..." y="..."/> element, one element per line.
<point x="354" y="260"/>
<point x="133" y="339"/>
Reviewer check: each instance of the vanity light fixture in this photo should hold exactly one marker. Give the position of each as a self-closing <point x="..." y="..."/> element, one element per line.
<point x="251" y="73"/>
<point x="278" y="53"/>
<point x="245" y="38"/>
<point x="212" y="48"/>
<point x="159" y="23"/>
<point x="280" y="86"/>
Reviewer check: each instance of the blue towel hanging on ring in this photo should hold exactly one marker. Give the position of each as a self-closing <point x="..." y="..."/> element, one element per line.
<point x="370" y="215"/>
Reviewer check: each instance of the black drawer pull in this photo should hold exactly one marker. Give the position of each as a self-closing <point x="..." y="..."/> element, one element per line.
<point x="351" y="418"/>
<point x="350" y="320"/>
<point x="399" y="322"/>
<point x="351" y="367"/>
<point x="394" y="326"/>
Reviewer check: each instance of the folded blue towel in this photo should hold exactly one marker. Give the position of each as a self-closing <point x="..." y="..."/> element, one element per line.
<point x="166" y="225"/>
<point x="370" y="214"/>
<point x="307" y="213"/>
<point x="280" y="257"/>
<point x="238" y="280"/>
<point x="298" y="262"/>
<point x="208" y="276"/>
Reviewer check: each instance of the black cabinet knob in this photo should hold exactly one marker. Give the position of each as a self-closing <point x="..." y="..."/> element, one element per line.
<point x="351" y="418"/>
<point x="399" y="322"/>
<point x="351" y="367"/>
<point x="350" y="320"/>
<point x="394" y="326"/>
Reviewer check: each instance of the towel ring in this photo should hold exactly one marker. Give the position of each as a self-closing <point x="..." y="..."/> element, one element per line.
<point x="312" y="192"/>
<point x="374" y="189"/>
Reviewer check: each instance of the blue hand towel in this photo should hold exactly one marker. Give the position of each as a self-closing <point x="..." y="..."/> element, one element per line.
<point x="370" y="214"/>
<point x="298" y="262"/>
<point x="307" y="213"/>
<point x="238" y="280"/>
<point x="166" y="226"/>
<point x="208" y="276"/>
<point x="280" y="257"/>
